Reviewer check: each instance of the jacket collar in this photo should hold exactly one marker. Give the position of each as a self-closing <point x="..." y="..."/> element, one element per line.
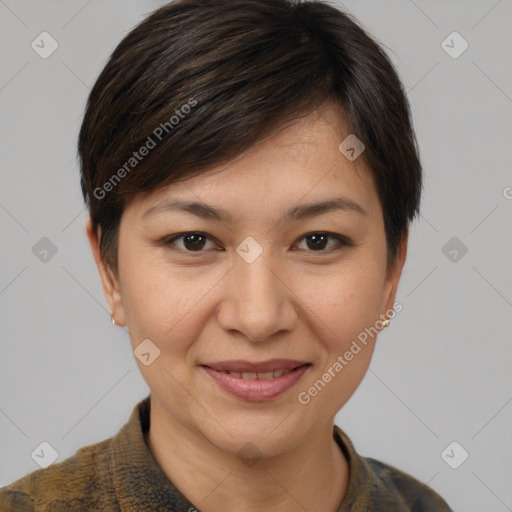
<point x="139" y="482"/>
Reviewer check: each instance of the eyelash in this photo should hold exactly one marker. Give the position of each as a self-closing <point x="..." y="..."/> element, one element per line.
<point x="342" y="241"/>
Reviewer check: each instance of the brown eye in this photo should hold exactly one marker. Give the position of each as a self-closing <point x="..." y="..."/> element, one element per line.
<point x="190" y="242"/>
<point x="318" y="241"/>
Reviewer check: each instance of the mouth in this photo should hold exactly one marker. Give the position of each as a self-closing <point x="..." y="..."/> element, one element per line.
<point x="256" y="382"/>
<point x="263" y="367"/>
<point x="259" y="375"/>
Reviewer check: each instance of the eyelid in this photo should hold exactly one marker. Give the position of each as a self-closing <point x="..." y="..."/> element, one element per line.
<point x="342" y="240"/>
<point x="168" y="241"/>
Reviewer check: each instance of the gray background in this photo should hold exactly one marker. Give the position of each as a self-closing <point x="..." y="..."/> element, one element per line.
<point x="441" y="372"/>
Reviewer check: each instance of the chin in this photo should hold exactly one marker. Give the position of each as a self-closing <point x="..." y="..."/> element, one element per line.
<point x="272" y="434"/>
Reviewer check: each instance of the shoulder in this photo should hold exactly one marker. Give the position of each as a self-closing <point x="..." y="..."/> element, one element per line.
<point x="374" y="485"/>
<point x="74" y="484"/>
<point x="414" y="494"/>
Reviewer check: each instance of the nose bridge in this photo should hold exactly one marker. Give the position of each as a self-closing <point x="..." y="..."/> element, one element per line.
<point x="256" y="302"/>
<point x="258" y="284"/>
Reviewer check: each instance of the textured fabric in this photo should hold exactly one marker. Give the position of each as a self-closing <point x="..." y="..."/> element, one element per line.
<point x="120" y="474"/>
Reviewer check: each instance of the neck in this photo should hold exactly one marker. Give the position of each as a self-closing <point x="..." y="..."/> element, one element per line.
<point x="313" y="476"/>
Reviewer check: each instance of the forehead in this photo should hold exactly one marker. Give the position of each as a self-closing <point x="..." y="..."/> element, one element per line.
<point x="300" y="162"/>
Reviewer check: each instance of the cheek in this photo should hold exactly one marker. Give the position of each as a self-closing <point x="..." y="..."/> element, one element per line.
<point x="168" y="309"/>
<point x="166" y="303"/>
<point x="345" y="301"/>
<point x="342" y="313"/>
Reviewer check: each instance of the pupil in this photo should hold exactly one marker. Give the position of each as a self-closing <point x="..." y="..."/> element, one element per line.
<point x="318" y="241"/>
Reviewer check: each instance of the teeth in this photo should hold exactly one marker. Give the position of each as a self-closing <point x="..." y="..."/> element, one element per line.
<point x="260" y="376"/>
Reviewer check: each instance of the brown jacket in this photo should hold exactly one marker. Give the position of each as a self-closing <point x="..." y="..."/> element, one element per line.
<point x="120" y="474"/>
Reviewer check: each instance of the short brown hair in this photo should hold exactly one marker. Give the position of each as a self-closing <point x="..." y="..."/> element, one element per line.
<point x="200" y="81"/>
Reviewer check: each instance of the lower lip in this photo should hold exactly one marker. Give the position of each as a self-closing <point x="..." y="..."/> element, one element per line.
<point x="256" y="390"/>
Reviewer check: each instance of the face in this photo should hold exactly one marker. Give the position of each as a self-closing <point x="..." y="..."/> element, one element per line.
<point x="267" y="288"/>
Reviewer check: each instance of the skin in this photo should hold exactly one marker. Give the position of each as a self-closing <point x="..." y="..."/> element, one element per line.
<point x="292" y="302"/>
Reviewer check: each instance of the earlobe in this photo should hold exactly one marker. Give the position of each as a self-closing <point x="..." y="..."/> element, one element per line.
<point x="109" y="280"/>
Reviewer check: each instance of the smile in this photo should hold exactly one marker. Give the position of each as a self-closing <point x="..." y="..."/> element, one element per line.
<point x="256" y="382"/>
<point x="260" y="376"/>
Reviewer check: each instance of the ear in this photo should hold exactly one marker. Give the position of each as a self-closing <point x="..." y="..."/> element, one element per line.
<point x="109" y="280"/>
<point x="393" y="277"/>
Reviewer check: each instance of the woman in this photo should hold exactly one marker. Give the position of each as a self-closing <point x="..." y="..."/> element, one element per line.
<point x="250" y="171"/>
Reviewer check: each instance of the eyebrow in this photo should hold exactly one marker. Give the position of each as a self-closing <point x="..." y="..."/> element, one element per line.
<point x="295" y="213"/>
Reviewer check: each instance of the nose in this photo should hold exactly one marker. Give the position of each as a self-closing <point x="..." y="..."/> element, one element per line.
<point x="257" y="301"/>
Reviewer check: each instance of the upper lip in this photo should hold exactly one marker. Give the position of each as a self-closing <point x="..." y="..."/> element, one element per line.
<point x="251" y="367"/>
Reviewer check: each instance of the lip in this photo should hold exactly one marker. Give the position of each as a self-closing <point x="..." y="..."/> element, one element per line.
<point x="256" y="390"/>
